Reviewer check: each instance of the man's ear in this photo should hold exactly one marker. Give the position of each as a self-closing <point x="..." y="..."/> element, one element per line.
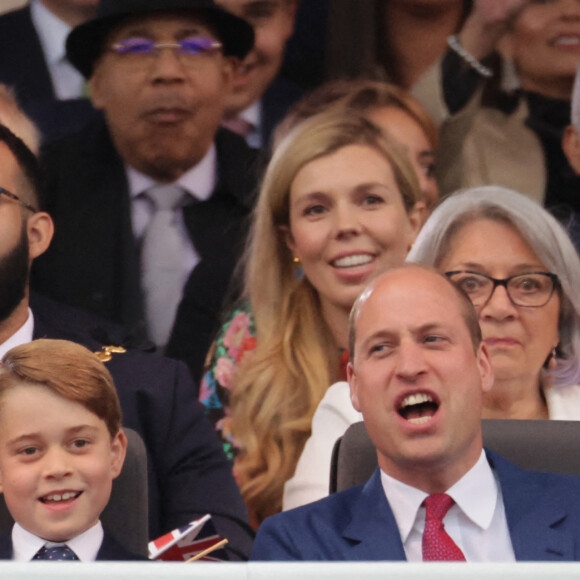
<point x="40" y="229"/>
<point x="291" y="8"/>
<point x="97" y="89"/>
<point x="118" y="452"/>
<point x="353" y="383"/>
<point x="571" y="147"/>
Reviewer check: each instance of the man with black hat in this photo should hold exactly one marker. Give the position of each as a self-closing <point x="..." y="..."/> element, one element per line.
<point x="150" y="204"/>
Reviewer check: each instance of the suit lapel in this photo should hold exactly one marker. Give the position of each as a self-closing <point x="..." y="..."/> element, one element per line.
<point x="532" y="512"/>
<point x="373" y="531"/>
<point x="217" y="223"/>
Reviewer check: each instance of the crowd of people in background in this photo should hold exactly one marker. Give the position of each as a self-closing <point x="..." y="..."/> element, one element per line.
<point x="211" y="186"/>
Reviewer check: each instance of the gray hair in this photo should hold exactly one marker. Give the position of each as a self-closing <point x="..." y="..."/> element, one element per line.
<point x="539" y="229"/>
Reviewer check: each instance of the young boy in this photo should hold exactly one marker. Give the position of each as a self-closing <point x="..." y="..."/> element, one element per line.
<point x="61" y="446"/>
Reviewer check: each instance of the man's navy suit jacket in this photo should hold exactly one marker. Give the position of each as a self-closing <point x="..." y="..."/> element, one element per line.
<point x="189" y="474"/>
<point x="542" y="511"/>
<point x="110" y="549"/>
<point x="93" y="261"/>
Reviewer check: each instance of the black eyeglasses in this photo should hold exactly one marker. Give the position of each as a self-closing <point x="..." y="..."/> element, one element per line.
<point x="532" y="289"/>
<point x="15" y="198"/>
<point x="142" y="50"/>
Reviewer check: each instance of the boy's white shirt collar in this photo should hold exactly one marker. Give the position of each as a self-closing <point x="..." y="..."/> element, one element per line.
<point x="86" y="546"/>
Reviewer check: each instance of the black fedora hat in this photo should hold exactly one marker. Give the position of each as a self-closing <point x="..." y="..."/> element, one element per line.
<point x="85" y="43"/>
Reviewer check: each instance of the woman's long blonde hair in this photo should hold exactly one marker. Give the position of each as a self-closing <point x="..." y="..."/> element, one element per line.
<point x="296" y="359"/>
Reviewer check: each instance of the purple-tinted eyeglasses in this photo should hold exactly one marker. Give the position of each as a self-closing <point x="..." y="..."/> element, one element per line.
<point x="141" y="49"/>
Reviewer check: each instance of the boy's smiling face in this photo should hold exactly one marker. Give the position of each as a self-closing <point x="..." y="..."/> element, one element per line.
<point x="57" y="462"/>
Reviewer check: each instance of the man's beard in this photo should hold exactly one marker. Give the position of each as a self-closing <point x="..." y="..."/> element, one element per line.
<point x="14" y="276"/>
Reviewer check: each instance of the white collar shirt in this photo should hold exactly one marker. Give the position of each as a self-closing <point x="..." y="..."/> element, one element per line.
<point x="253" y="115"/>
<point x="52" y="32"/>
<point x="22" y="336"/>
<point x="476" y="522"/>
<point x="199" y="182"/>
<point x="86" y="546"/>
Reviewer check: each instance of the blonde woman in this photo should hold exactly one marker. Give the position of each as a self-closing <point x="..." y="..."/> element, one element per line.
<point x="339" y="204"/>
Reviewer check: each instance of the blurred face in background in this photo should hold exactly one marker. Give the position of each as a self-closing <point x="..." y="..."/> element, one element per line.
<point x="163" y="111"/>
<point x="273" y="23"/>
<point x="545" y="45"/>
<point x="411" y="135"/>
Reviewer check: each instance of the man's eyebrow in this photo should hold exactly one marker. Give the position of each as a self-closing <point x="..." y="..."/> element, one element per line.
<point x="382" y="334"/>
<point x="429" y="327"/>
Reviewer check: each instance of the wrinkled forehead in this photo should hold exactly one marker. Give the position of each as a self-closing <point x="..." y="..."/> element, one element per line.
<point x="172" y="24"/>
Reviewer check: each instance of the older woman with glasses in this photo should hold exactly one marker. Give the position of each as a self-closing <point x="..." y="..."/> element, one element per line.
<point x="522" y="273"/>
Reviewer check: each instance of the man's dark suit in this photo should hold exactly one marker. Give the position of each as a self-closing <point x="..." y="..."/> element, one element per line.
<point x="93" y="261"/>
<point x="188" y="472"/>
<point x="26" y="71"/>
<point x="542" y="511"/>
<point x="24" y="66"/>
<point x="110" y="549"/>
<point x="278" y="98"/>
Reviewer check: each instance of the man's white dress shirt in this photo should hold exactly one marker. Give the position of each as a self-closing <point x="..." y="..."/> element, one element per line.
<point x="67" y="82"/>
<point x="476" y="522"/>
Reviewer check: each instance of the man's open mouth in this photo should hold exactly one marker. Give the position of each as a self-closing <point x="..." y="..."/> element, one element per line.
<point x="418" y="408"/>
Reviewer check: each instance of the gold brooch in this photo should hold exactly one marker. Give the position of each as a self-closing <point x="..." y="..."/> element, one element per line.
<point x="106" y="354"/>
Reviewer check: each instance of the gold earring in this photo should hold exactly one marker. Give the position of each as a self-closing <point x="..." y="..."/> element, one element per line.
<point x="296" y="260"/>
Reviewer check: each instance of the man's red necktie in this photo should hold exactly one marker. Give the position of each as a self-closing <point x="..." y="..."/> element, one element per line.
<point x="437" y="543"/>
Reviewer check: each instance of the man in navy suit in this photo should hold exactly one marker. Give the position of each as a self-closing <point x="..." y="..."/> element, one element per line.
<point x="417" y="373"/>
<point x="188" y="474"/>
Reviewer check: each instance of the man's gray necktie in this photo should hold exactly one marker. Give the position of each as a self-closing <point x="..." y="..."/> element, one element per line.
<point x="162" y="262"/>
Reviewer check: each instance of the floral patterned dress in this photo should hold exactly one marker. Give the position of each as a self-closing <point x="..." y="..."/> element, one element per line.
<point x="235" y="341"/>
